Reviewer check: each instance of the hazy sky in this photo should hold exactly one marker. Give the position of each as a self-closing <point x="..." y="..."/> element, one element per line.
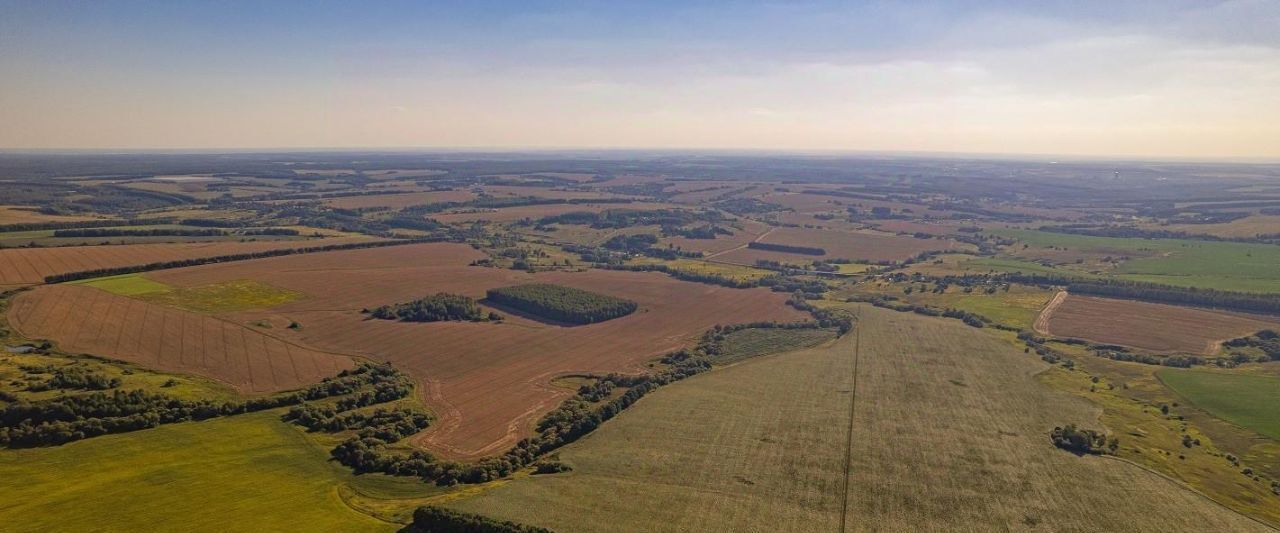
<point x="1158" y="78"/>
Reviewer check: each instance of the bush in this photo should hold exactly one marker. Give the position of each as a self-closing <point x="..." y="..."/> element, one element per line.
<point x="437" y="307"/>
<point x="440" y="520"/>
<point x="1082" y="441"/>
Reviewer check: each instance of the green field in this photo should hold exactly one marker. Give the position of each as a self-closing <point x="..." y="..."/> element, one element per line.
<point x="235" y="295"/>
<point x="243" y="473"/>
<point x="1017" y="307"/>
<point x="1189" y="263"/>
<point x="751" y="342"/>
<point x="1247" y="400"/>
<point x="948" y="434"/>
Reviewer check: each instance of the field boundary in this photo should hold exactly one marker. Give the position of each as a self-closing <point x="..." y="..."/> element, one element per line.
<point x="848" y="450"/>
<point x="1189" y="488"/>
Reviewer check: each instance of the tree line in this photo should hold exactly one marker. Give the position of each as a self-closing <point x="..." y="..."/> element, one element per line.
<point x="155" y="232"/>
<point x="180" y="263"/>
<point x="1155" y="292"/>
<point x="431" y="519"/>
<point x="74" y="417"/>
<point x="786" y="248"/>
<point x="37" y="226"/>
<point x="1139" y="233"/>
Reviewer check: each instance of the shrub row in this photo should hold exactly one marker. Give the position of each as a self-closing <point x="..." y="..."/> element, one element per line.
<point x="75" y="417"/>
<point x="786" y="248"/>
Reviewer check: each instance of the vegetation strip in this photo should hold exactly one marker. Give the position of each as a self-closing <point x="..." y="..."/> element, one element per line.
<point x="102" y="272"/>
<point x="74" y="417"/>
<point x="848" y="453"/>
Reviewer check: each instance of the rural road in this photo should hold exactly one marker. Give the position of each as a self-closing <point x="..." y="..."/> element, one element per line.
<point x="1041" y="324"/>
<point x="757" y="239"/>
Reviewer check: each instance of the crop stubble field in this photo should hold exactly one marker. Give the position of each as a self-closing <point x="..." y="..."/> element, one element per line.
<point x="1151" y="326"/>
<point x="487" y="382"/>
<point x="27" y="266"/>
<point x="948" y="434"/>
<point x="82" y="319"/>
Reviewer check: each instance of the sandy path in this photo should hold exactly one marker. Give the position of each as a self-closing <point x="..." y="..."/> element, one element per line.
<point x="1041" y="324"/>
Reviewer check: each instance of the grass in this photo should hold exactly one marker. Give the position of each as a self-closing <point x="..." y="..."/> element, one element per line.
<point x="746" y="343"/>
<point x="243" y="473"/>
<point x="1018" y="307"/>
<point x="708" y="267"/>
<point x="13" y="379"/>
<point x="1189" y="263"/>
<point x="948" y="433"/>
<point x="1251" y="401"/>
<point x="1130" y="396"/>
<point x="235" y="295"/>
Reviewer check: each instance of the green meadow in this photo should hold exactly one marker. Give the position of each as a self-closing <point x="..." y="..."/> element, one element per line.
<point x="1190" y="263"/>
<point x="235" y="295"/>
<point x="1246" y="400"/>
<point x="243" y="473"/>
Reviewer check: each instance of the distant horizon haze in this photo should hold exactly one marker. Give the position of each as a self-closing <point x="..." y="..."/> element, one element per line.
<point x="1160" y="80"/>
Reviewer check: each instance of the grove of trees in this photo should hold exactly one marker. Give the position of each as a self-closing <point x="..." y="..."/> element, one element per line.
<point x="565" y="304"/>
<point x="437" y="307"/>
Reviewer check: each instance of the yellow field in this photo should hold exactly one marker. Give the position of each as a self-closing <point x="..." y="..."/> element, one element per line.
<point x="949" y="433"/>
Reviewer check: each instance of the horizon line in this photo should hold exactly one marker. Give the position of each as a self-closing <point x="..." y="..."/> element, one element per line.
<point x="827" y="152"/>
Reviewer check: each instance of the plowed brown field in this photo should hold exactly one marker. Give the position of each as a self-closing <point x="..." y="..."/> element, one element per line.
<point x="487" y="382"/>
<point x="87" y="320"/>
<point x="1150" y="326"/>
<point x="26" y="266"/>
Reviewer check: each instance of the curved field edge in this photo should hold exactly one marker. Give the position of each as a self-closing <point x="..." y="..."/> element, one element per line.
<point x="763" y="445"/>
<point x="248" y="473"/>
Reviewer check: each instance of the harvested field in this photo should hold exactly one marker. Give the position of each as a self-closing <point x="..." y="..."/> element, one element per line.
<point x="838" y="244"/>
<point x="82" y="319"/>
<point x="512" y="214"/>
<point x="776" y="444"/>
<point x="1150" y="326"/>
<point x="487" y="382"/>
<point x="27" y="266"/>
<point x="11" y="214"/>
<point x="398" y="201"/>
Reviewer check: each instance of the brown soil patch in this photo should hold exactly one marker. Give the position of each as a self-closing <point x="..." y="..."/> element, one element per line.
<point x="86" y="320"/>
<point x="1149" y="326"/>
<point x="487" y="382"/>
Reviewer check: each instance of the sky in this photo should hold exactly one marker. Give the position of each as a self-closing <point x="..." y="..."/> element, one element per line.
<point x="1166" y="78"/>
